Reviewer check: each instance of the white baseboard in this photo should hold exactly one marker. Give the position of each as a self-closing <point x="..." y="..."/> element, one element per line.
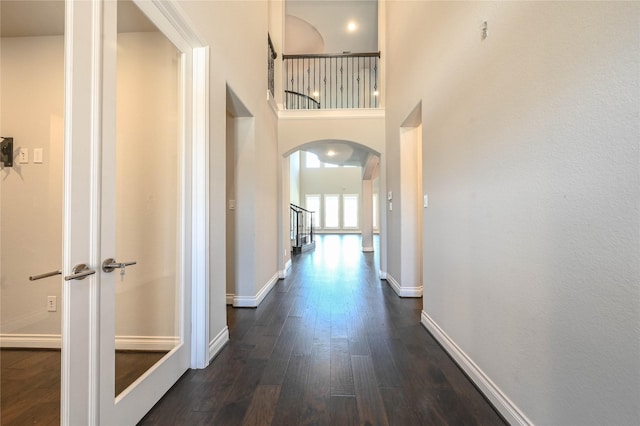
<point x="382" y="274"/>
<point x="54" y="341"/>
<point x="39" y="341"/>
<point x="146" y="343"/>
<point x="230" y="298"/>
<point x="287" y="267"/>
<point x="218" y="342"/>
<point x="367" y="249"/>
<point x="403" y="291"/>
<point x="254" y="301"/>
<point x="500" y="401"/>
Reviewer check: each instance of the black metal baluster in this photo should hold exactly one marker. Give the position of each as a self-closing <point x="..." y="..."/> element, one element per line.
<point x="341" y="82"/>
<point x="375" y="86"/>
<point x="348" y="83"/>
<point x="359" y="88"/>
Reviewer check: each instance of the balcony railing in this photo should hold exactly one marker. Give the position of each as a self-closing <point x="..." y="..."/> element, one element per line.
<point x="271" y="66"/>
<point x="347" y="80"/>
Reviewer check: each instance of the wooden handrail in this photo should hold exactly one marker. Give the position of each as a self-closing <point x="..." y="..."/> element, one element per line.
<point x="298" y="208"/>
<point x="333" y="55"/>
<point x="274" y="54"/>
<point x="302" y="95"/>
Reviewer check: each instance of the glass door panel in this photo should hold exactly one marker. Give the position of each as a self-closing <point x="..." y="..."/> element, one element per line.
<point x="142" y="350"/>
<point x="31" y="202"/>
<point x="147" y="204"/>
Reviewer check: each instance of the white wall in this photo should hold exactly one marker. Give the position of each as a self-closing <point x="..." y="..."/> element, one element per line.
<point x="32" y="103"/>
<point x="231" y="213"/>
<point x="334" y="180"/>
<point x="295" y="163"/>
<point x="530" y="156"/>
<point x="237" y="35"/>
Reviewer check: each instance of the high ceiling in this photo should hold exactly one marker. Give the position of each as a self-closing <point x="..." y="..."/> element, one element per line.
<point x="329" y="19"/>
<point x="321" y="26"/>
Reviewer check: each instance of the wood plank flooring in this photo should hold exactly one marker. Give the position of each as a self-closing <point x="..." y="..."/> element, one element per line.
<point x="30" y="382"/>
<point x="330" y="345"/>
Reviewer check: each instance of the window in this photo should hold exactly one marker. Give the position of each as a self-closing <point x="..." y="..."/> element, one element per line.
<point x="312" y="202"/>
<point x="331" y="211"/>
<point x="375" y="211"/>
<point x="311" y="161"/>
<point x="350" y="211"/>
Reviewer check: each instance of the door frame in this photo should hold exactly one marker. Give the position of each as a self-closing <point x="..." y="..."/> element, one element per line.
<point x="84" y="134"/>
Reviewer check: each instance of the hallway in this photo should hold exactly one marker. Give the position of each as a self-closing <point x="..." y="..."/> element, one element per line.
<point x="331" y="344"/>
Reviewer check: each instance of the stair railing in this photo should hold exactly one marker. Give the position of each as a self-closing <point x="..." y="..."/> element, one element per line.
<point x="334" y="81"/>
<point x="301" y="225"/>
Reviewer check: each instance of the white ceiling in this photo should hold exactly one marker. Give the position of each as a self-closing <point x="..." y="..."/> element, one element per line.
<point x="340" y="152"/>
<point x="330" y="18"/>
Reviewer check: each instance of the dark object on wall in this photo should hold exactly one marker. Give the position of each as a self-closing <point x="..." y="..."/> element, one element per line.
<point x="6" y="151"/>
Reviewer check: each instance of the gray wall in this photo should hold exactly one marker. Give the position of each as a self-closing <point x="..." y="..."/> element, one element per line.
<point x="530" y="159"/>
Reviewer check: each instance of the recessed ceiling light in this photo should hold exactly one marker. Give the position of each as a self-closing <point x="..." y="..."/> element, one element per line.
<point x="351" y="26"/>
<point x="331" y="153"/>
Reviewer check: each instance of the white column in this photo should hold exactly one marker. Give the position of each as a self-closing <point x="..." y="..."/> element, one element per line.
<point x="367" y="215"/>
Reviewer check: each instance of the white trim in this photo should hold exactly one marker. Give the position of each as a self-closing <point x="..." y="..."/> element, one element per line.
<point x="512" y="414"/>
<point x="54" y="341"/>
<point x="254" y="301"/>
<point x="367" y="249"/>
<point x="200" y="209"/>
<point x="146" y="343"/>
<point x="322" y="114"/>
<point x="218" y="342"/>
<point x="272" y="103"/>
<point x="403" y="291"/>
<point x="230" y="297"/>
<point x="40" y="341"/>
<point x="287" y="267"/>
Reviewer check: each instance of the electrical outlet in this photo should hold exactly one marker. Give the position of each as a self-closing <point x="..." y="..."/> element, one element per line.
<point x="23" y="155"/>
<point x="52" y="305"/>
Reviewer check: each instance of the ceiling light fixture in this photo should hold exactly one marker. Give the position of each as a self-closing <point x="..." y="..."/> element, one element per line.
<point x="351" y="26"/>
<point x="331" y="153"/>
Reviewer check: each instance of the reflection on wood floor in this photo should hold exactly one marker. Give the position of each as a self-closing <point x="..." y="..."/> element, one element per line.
<point x="30" y="382"/>
<point x="330" y="345"/>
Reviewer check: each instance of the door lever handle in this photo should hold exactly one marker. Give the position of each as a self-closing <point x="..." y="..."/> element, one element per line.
<point x="110" y="264"/>
<point x="45" y="275"/>
<point x="80" y="272"/>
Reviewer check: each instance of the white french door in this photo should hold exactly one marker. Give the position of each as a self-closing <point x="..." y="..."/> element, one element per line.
<point x="128" y="209"/>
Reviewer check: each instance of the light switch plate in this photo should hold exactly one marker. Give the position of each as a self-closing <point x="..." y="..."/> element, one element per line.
<point x="37" y="155"/>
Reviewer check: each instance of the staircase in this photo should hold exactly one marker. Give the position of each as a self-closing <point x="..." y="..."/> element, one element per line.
<point x="301" y="229"/>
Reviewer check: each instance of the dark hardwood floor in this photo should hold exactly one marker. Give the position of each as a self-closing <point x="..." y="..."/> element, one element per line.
<point x="330" y="345"/>
<point x="30" y="382"/>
